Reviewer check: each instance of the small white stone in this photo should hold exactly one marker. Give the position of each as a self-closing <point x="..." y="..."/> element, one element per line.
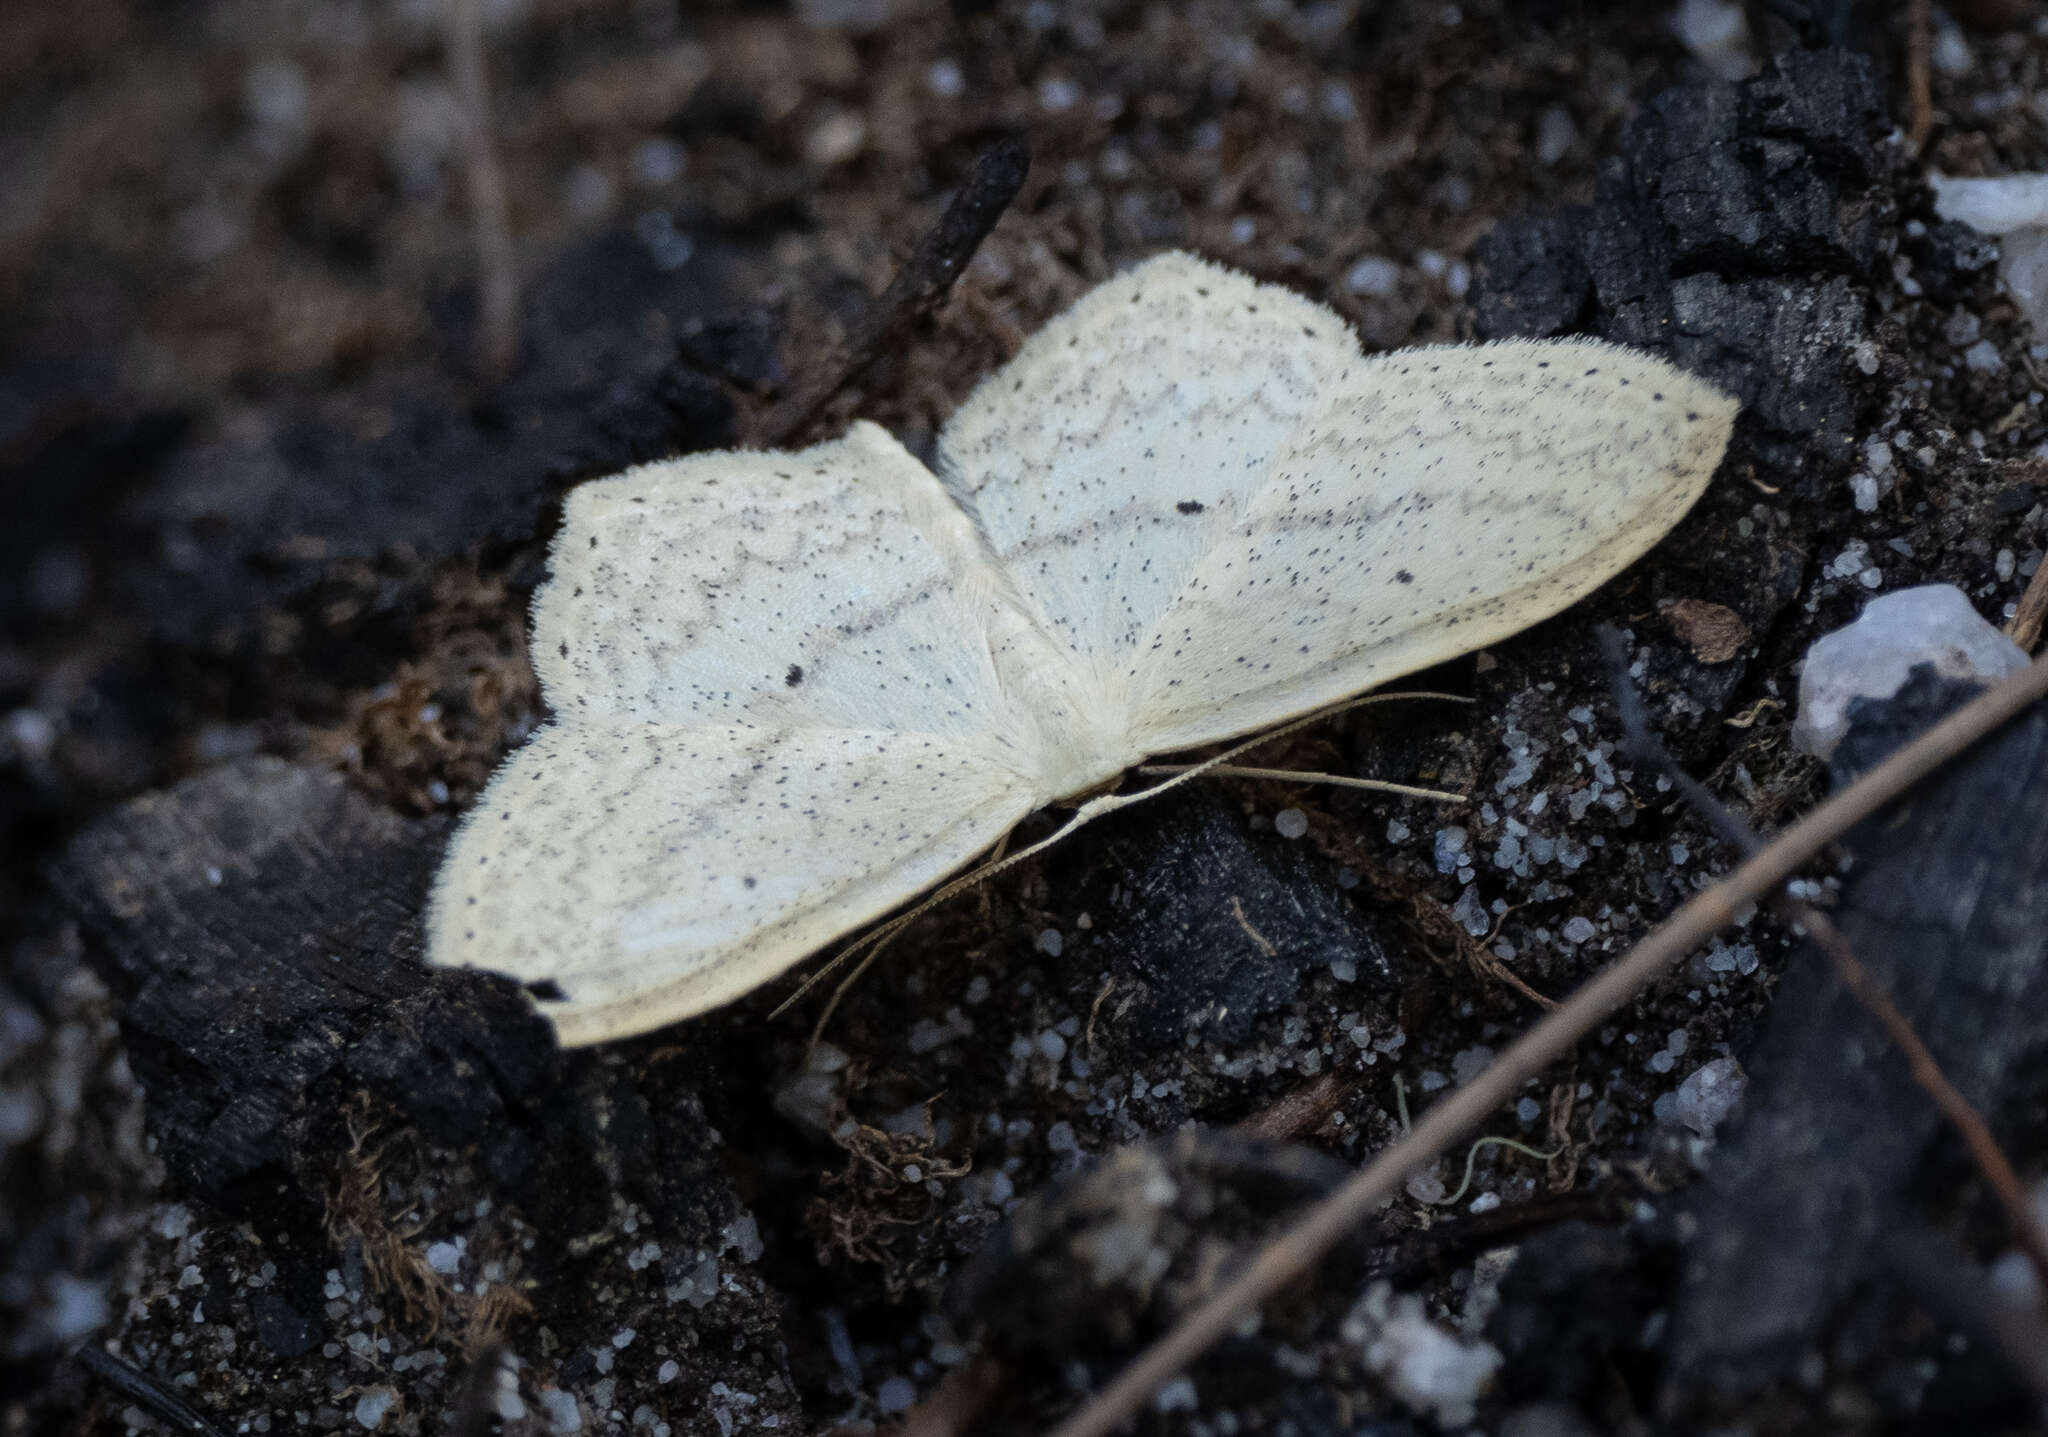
<point x="897" y="1394"/>
<point x="561" y="1410"/>
<point x="1717" y="33"/>
<point x="1854" y="556"/>
<point x="372" y="1407"/>
<point x="1469" y="1063"/>
<point x="1950" y="54"/>
<point x="1709" y="1095"/>
<point x="1178" y="1395"/>
<point x="836" y="139"/>
<point x="1056" y="94"/>
<point x="658" y="160"/>
<point x="1374" y="277"/>
<point x="1424" y="1366"/>
<point x="1871" y="657"/>
<point x="1996" y="206"/>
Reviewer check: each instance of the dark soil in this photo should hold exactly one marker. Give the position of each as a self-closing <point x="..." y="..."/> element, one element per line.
<point x="270" y="536"/>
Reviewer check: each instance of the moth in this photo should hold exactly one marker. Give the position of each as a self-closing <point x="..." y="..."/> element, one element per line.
<point x="792" y="691"/>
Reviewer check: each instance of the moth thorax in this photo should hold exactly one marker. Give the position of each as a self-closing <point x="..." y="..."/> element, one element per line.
<point x="1079" y="749"/>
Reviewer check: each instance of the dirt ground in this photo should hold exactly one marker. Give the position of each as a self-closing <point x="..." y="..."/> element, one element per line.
<point x="273" y="518"/>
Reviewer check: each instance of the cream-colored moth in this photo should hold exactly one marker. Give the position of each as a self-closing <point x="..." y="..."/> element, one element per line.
<point x="792" y="691"/>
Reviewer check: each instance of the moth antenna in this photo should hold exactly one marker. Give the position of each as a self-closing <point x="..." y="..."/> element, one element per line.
<point x="1209" y="765"/>
<point x="870" y="943"/>
<point x="845" y="986"/>
<point x="1093" y="808"/>
<point x="1293" y="775"/>
<point x="874" y="938"/>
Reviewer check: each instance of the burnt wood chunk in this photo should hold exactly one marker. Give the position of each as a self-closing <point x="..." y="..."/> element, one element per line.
<point x="261" y="922"/>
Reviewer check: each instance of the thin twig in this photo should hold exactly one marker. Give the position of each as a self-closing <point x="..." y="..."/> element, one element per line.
<point x="497" y="325"/>
<point x="1640" y="742"/>
<point x="954" y="1408"/>
<point x="1297" y="1249"/>
<point x="476" y="1399"/>
<point x="1952" y="1287"/>
<point x="1976" y="1134"/>
<point x="1919" y="89"/>
<point x="144" y="1391"/>
<point x="1403" y="1258"/>
<point x="919" y="288"/>
<point x="1488" y="964"/>
<point x="2024" y="628"/>
<point x="1299" y="1111"/>
<point x="1089" y="811"/>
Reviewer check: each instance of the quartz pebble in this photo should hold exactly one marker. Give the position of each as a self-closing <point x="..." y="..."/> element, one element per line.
<point x="1872" y="657"/>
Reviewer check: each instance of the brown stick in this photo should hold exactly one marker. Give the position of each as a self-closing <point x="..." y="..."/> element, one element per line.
<point x="955" y="1407"/>
<point x="1414" y="1255"/>
<point x="1976" y="1134"/>
<point x="1919" y="89"/>
<point x="1316" y="1232"/>
<point x="1949" y="1283"/>
<point x="143" y="1390"/>
<point x="2024" y="628"/>
<point x="1641" y="743"/>
<point x="497" y="323"/>
<point x="1299" y="1111"/>
<point x="919" y="288"/>
<point x="476" y="1400"/>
